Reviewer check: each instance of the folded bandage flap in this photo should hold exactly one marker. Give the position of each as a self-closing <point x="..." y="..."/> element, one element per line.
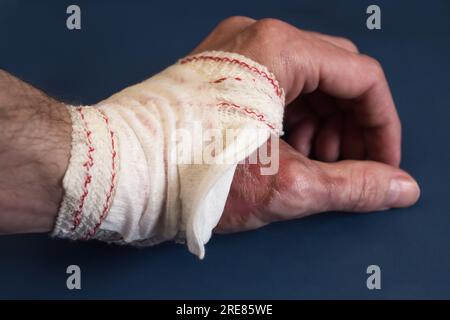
<point x="155" y="161"/>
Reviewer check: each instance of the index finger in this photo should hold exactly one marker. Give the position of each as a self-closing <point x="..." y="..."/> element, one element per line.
<point x="360" y="80"/>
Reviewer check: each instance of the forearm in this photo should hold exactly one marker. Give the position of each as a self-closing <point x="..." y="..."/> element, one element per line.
<point x="35" y="135"/>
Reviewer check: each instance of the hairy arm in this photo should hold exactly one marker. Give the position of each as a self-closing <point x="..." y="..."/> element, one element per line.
<point x="35" y="135"/>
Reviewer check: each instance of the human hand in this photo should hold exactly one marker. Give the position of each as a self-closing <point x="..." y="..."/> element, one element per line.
<point x="339" y="107"/>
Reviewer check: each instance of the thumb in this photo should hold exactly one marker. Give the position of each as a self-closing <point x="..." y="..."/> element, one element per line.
<point x="361" y="186"/>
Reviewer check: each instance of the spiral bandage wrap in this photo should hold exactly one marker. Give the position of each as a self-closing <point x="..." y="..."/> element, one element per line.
<point x="128" y="182"/>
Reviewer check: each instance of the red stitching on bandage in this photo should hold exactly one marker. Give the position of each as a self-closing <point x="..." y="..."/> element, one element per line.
<point x="109" y="193"/>
<point x="245" y="65"/>
<point x="226" y="78"/>
<point x="77" y="214"/>
<point x="258" y="116"/>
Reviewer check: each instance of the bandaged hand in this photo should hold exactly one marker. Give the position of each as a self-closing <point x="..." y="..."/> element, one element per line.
<point x="141" y="171"/>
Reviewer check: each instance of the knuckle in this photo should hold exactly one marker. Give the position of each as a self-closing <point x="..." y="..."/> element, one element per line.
<point x="235" y="20"/>
<point x="269" y="27"/>
<point x="268" y="36"/>
<point x="294" y="182"/>
<point x="288" y="181"/>
<point x="349" y="44"/>
<point x="375" y="67"/>
<point x="300" y="183"/>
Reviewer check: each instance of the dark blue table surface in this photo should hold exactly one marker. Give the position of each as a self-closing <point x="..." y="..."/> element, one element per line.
<point x="326" y="256"/>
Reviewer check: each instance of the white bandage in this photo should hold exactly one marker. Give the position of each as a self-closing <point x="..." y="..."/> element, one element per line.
<point x="128" y="180"/>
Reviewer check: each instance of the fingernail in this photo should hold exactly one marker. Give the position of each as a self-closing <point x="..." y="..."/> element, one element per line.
<point x="403" y="192"/>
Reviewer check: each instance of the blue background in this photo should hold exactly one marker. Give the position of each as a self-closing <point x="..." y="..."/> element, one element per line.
<point x="325" y="256"/>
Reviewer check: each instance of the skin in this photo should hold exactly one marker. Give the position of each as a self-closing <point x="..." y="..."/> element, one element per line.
<point x="341" y="152"/>
<point x="35" y="137"/>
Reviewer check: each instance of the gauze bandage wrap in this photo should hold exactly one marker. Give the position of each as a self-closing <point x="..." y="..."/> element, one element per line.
<point x="141" y="170"/>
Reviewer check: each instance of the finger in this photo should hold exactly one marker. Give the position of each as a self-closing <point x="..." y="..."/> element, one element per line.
<point x="302" y="136"/>
<point x="341" y="42"/>
<point x="362" y="186"/>
<point x="304" y="187"/>
<point x="327" y="142"/>
<point x="294" y="113"/>
<point x="356" y="78"/>
<point x="352" y="143"/>
<point x="361" y="80"/>
<point x="321" y="104"/>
